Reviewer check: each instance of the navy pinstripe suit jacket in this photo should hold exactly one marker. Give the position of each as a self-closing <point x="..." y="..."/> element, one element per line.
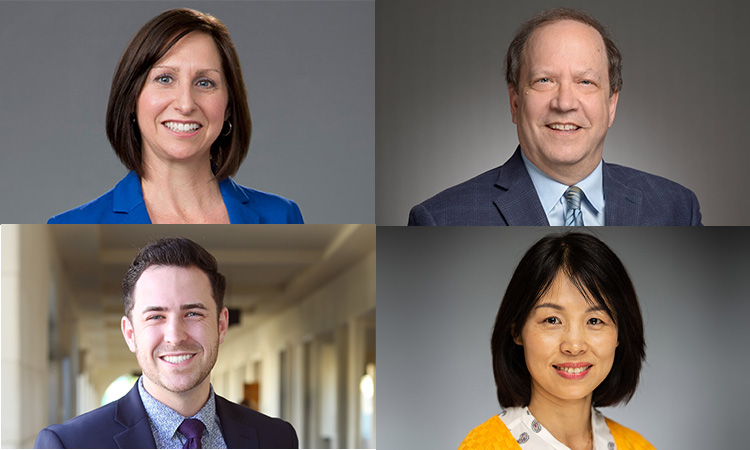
<point x="505" y="195"/>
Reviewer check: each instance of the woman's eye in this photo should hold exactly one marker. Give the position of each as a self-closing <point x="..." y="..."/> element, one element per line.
<point x="163" y="79"/>
<point x="595" y="321"/>
<point x="552" y="320"/>
<point x="206" y="83"/>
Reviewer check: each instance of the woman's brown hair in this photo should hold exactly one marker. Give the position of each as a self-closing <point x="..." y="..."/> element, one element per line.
<point x="148" y="46"/>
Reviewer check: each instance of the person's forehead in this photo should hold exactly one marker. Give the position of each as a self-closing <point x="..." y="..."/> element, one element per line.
<point x="188" y="45"/>
<point x="568" y="33"/>
<point x="167" y="284"/>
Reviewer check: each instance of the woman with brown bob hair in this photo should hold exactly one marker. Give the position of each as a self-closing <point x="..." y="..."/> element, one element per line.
<point x="568" y="338"/>
<point x="178" y="119"/>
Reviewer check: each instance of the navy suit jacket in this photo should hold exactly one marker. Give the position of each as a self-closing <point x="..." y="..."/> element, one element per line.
<point x="506" y="195"/>
<point x="124" y="204"/>
<point x="124" y="424"/>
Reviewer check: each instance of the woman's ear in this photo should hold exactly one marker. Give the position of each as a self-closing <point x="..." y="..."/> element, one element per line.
<point x="516" y="336"/>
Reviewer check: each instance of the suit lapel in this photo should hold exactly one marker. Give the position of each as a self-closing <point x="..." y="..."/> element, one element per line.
<point x="622" y="203"/>
<point x="236" y="434"/>
<point x="238" y="204"/>
<point x="131" y="414"/>
<point x="518" y="201"/>
<point x="128" y="200"/>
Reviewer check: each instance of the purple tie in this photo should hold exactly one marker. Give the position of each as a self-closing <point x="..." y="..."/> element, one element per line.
<point x="193" y="431"/>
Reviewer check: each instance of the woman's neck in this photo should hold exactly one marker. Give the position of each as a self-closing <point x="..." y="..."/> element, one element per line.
<point x="182" y="194"/>
<point x="568" y="421"/>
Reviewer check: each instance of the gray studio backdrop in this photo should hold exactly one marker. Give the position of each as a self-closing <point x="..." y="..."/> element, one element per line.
<point x="309" y="69"/>
<point x="439" y="291"/>
<point x="442" y="102"/>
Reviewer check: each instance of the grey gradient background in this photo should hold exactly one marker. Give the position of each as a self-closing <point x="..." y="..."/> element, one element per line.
<point x="439" y="290"/>
<point x="309" y="69"/>
<point x="442" y="103"/>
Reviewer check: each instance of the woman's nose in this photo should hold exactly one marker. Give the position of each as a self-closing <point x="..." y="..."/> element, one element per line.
<point x="184" y="102"/>
<point x="574" y="342"/>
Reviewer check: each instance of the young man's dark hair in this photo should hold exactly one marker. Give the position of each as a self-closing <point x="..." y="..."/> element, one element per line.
<point x="178" y="252"/>
<point x="176" y="341"/>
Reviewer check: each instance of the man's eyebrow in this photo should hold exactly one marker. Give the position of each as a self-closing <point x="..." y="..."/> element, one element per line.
<point x="589" y="73"/>
<point x="182" y="307"/>
<point x="193" y="306"/>
<point x="560" y="308"/>
<point x="539" y="71"/>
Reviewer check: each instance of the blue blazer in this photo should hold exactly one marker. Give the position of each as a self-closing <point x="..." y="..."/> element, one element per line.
<point x="505" y="195"/>
<point x="124" y="424"/>
<point x="124" y="204"/>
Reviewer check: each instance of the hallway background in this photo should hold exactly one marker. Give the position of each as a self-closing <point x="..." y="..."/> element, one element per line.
<point x="301" y="346"/>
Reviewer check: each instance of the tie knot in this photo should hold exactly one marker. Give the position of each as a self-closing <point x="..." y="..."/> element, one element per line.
<point x="573" y="197"/>
<point x="193" y="431"/>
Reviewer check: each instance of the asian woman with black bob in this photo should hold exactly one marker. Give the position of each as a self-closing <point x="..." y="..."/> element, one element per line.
<point x="179" y="121"/>
<point x="568" y="338"/>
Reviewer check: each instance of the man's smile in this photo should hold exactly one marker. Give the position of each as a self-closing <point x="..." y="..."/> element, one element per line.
<point x="177" y="359"/>
<point x="563" y="126"/>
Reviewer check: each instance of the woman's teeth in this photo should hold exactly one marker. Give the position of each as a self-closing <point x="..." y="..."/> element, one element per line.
<point x="182" y="127"/>
<point x="573" y="370"/>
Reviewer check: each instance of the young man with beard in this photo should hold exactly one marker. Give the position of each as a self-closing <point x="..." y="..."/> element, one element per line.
<point x="174" y="322"/>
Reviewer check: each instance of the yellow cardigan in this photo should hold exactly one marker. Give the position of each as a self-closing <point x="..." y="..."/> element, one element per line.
<point x="494" y="435"/>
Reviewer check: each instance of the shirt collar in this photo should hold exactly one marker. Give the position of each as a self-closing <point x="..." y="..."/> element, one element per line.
<point x="550" y="191"/>
<point x="166" y="420"/>
<point x="520" y="422"/>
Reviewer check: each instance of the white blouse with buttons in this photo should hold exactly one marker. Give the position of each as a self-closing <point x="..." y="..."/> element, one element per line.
<point x="531" y="435"/>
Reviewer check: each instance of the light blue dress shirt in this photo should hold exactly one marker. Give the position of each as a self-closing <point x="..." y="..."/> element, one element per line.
<point x="551" y="195"/>
<point x="165" y="421"/>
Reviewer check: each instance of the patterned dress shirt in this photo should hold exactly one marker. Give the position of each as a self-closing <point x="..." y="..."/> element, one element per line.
<point x="165" y="421"/>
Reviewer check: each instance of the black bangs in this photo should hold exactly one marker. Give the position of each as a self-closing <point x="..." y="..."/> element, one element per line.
<point x="591" y="292"/>
<point x="601" y="278"/>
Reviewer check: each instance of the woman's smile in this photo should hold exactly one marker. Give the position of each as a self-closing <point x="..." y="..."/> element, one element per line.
<point x="569" y="343"/>
<point x="182" y="106"/>
<point x="573" y="371"/>
<point x="183" y="128"/>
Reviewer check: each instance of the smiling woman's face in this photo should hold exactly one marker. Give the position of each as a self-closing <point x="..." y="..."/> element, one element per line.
<point x="183" y="104"/>
<point x="569" y="344"/>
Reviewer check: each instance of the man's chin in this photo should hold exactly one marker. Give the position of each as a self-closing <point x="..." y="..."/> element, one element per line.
<point x="176" y="384"/>
<point x="569" y="157"/>
<point x="180" y="386"/>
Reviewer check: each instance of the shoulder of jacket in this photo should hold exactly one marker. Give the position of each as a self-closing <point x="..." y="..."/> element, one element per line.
<point x="93" y="211"/>
<point x="629" y="175"/>
<point x="627" y="439"/>
<point x="492" y="434"/>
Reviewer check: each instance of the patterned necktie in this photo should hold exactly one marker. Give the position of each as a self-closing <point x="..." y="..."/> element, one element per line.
<point x="193" y="431"/>
<point x="573" y="214"/>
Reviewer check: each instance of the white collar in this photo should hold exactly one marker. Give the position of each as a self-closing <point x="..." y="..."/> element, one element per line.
<point x="531" y="435"/>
